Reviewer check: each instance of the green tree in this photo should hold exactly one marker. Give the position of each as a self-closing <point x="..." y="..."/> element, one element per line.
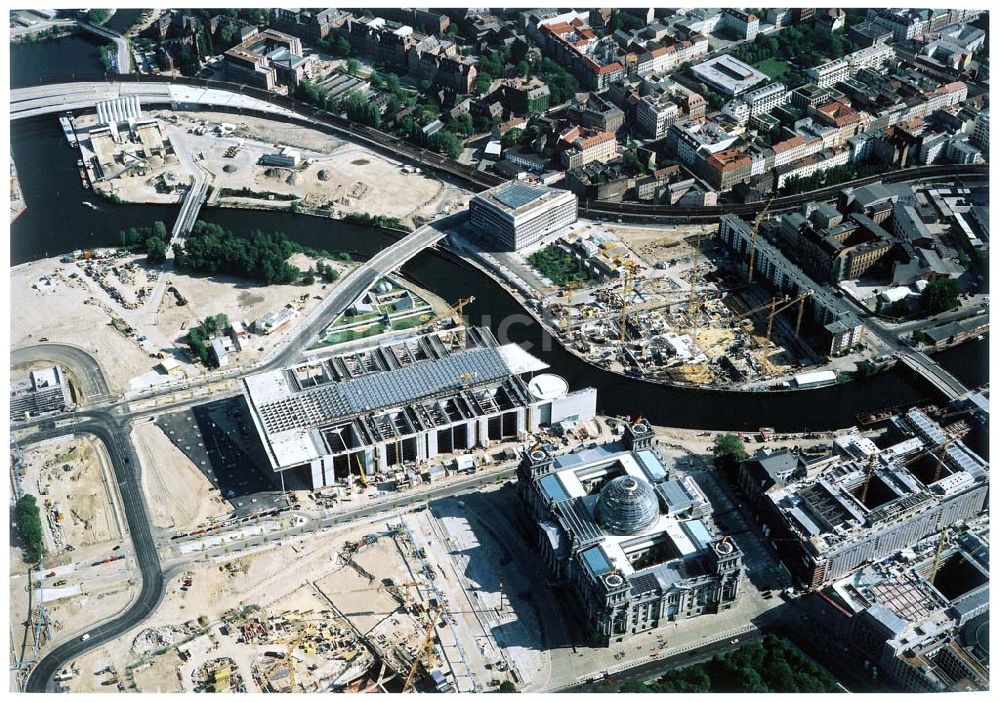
<point x="156" y="250"/>
<point x="29" y="528"/>
<point x="353" y="66"/>
<point x="507" y="686"/>
<point x="728" y="450"/>
<point x="940" y="295"/>
<point x="98" y="16"/>
<point x="511" y="137"/>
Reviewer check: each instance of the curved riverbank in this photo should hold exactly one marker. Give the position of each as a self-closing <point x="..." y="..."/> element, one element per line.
<point x="57" y="221"/>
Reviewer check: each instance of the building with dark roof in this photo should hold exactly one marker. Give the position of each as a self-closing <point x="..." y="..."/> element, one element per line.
<point x="625" y="539"/>
<point x="875" y="503"/>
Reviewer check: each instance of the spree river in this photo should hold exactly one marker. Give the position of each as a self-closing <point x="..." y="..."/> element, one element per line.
<point x="58" y="221"/>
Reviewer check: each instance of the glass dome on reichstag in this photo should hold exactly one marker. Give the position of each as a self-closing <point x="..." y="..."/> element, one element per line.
<point x="627" y="506"/>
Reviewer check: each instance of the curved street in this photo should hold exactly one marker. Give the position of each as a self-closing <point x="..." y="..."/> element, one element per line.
<point x="114" y="434"/>
<point x="83" y="366"/>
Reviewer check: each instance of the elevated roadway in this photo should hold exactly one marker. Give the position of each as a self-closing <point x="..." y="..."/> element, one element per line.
<point x="354" y="284"/>
<point x="55" y="98"/>
<point x="77" y="94"/>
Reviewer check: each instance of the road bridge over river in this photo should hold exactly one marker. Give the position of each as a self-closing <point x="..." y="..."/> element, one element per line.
<point x="943" y="381"/>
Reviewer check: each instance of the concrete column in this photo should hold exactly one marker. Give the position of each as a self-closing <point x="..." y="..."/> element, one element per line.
<point x="432" y="444"/>
<point x="317" y="474"/>
<point x="382" y="464"/>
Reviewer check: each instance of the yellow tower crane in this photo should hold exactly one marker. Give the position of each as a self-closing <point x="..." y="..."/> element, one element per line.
<point x="427" y="647"/>
<point x="361" y="470"/>
<point x="288" y="662"/>
<point x="936" y="563"/>
<point x="753" y="238"/>
<point x="786" y="303"/>
<point x="630" y="268"/>
<point x="457" y="309"/>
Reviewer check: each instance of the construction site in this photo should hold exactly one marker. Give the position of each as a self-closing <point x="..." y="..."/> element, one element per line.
<point x="669" y="305"/>
<point x="88" y="573"/>
<point x="133" y="155"/>
<point x="369" y="615"/>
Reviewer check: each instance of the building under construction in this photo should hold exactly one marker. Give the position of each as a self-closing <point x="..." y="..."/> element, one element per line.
<point x="626" y="539"/>
<point x="922" y="619"/>
<point x="405" y="403"/>
<point x="875" y="502"/>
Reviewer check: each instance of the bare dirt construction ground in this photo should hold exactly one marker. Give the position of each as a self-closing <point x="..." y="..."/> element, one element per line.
<point x="661" y="244"/>
<point x="62" y="314"/>
<point x="177" y="494"/>
<point x="275" y="579"/>
<point x="160" y="675"/>
<point x="334" y="178"/>
<point x="75" y="490"/>
<point x="238" y="299"/>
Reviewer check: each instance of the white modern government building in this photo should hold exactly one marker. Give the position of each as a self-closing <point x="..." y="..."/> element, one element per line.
<point x="518" y="214"/>
<point x="404" y="404"/>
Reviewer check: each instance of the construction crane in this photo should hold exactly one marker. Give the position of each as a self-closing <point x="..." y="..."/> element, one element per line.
<point x="694" y="275"/>
<point x="630" y="268"/>
<point x="427" y="647"/>
<point x="936" y="563"/>
<point x="868" y="477"/>
<point x="457" y="308"/>
<point x="361" y="470"/>
<point x="288" y="662"/>
<point x="786" y="303"/>
<point x="755" y="310"/>
<point x="753" y="238"/>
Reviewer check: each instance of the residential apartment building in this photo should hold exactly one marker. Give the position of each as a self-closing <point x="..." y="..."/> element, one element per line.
<point x="573" y="45"/>
<point x="654" y="115"/>
<point x="765" y="99"/>
<point x="725" y="169"/>
<point x="583" y="147"/>
<point x="981" y="131"/>
<point x="744" y="25"/>
<point x="829" y="73"/>
<point x="667" y="58"/>
<point x="596" y="113"/>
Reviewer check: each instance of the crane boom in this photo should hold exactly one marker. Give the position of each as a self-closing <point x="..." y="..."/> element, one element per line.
<point x="428" y="647"/>
<point x="753" y="238"/>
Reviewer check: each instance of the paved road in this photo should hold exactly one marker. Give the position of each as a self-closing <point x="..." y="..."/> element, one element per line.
<point x="60" y="97"/>
<point x="86" y="369"/>
<point x="114" y="434"/>
<point x="123" y="58"/>
<point x="656" y="668"/>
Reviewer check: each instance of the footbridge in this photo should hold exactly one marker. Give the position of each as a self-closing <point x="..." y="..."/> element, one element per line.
<point x="123" y="62"/>
<point x="943" y="381"/>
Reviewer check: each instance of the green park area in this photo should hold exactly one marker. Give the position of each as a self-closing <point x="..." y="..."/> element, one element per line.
<point x="559" y="266"/>
<point x="773" y="68"/>
<point x="771" y="666"/>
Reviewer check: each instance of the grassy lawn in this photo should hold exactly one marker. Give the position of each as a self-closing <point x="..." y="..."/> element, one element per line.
<point x="772" y="67"/>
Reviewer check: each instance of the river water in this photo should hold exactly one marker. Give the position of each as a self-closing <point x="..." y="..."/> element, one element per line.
<point x="53" y="59"/>
<point x="57" y="221"/>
